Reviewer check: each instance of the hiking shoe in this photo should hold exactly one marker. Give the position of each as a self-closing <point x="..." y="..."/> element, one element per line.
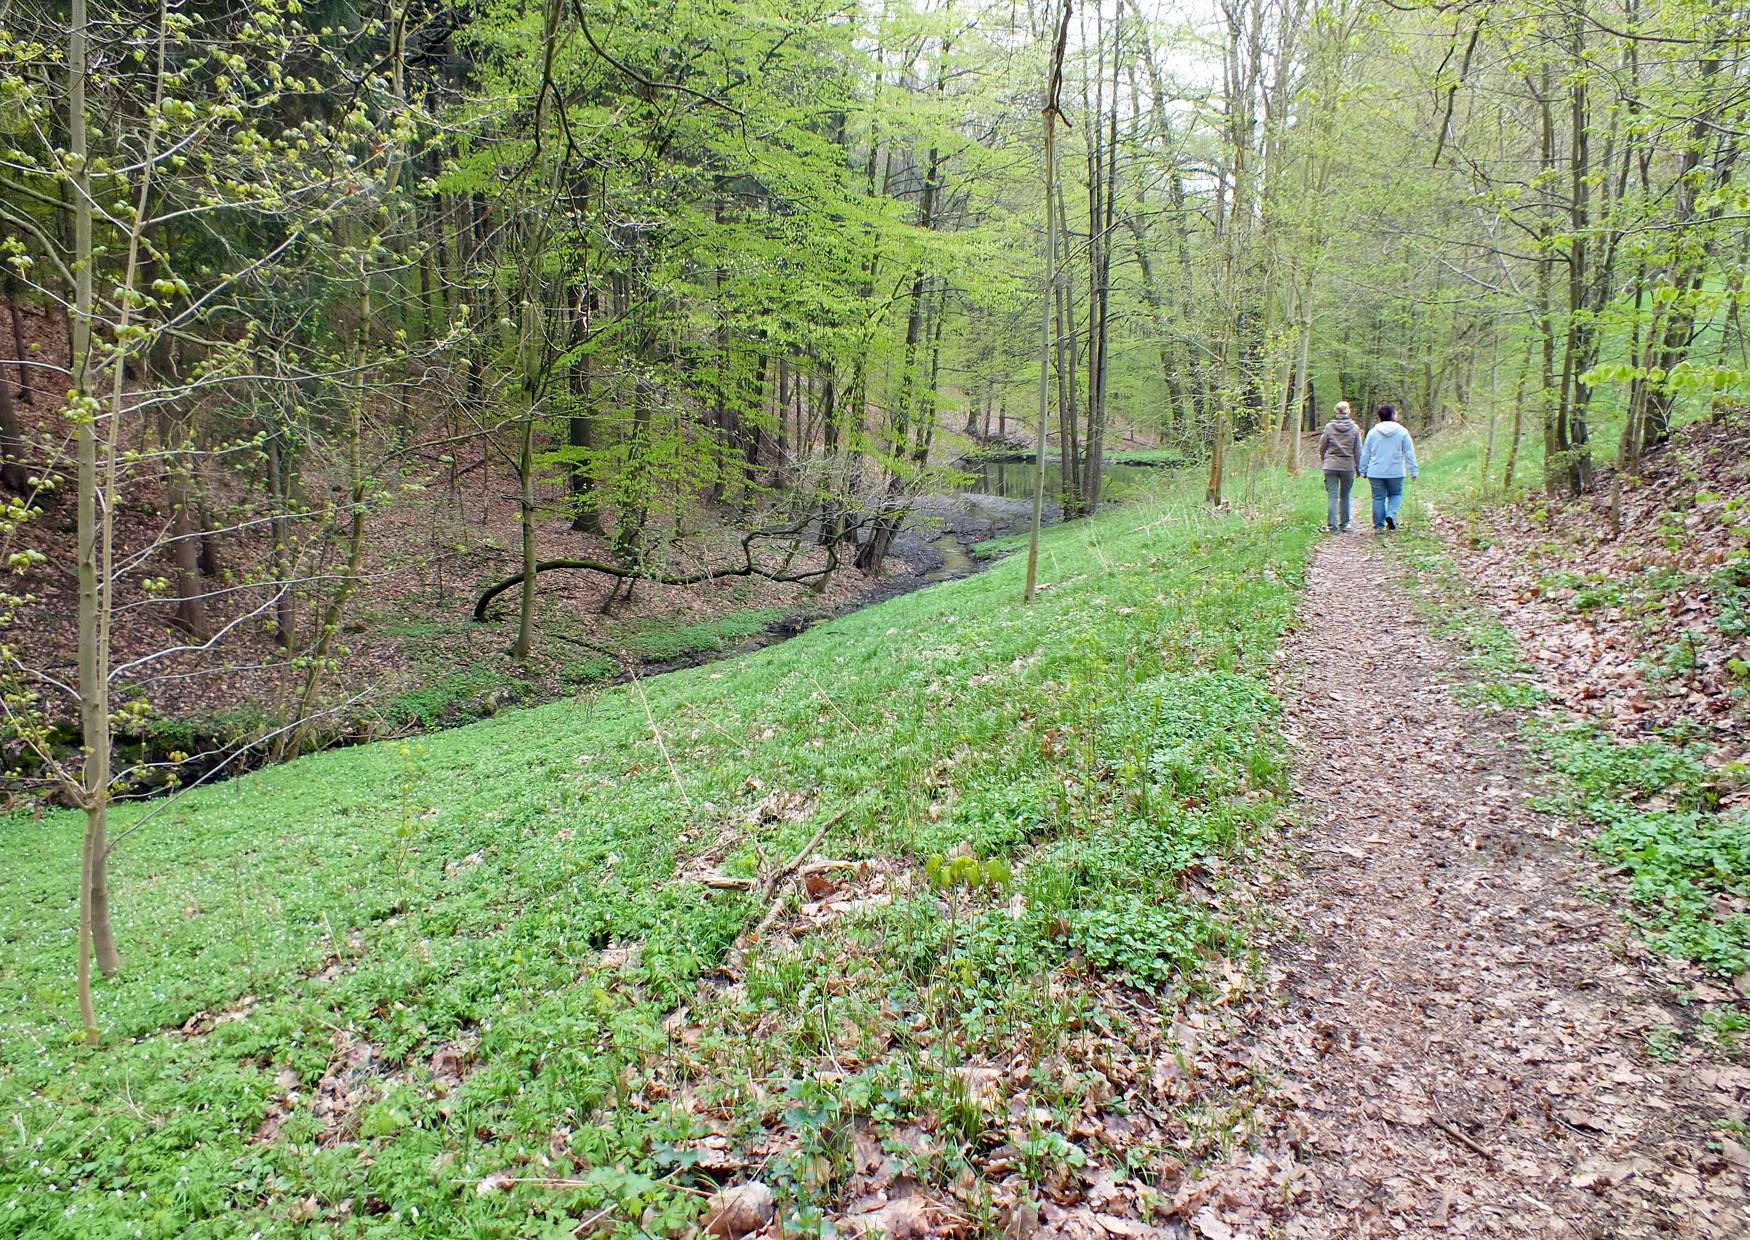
<point x="1390" y="524"/>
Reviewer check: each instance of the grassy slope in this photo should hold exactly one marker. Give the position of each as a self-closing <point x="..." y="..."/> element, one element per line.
<point x="460" y="891"/>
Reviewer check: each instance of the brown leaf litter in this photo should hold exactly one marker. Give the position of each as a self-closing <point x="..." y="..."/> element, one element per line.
<point x="1616" y="596"/>
<point x="1460" y="1044"/>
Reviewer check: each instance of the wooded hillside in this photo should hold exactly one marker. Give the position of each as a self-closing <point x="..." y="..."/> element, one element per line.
<point x="366" y="369"/>
<point x="637" y="287"/>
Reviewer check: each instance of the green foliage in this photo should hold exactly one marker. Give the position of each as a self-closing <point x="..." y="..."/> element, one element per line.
<point x="664" y="641"/>
<point x="590" y="669"/>
<point x="1604" y="769"/>
<point x="191" y="732"/>
<point x="1654" y="806"/>
<point x="475" y="691"/>
<point x="1730" y="586"/>
<point x="966" y="872"/>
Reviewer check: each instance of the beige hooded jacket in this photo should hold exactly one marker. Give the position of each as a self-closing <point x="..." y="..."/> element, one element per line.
<point x="1340" y="445"/>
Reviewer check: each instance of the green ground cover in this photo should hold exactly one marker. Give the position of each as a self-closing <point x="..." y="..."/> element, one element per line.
<point x="380" y="991"/>
<point x="659" y="641"/>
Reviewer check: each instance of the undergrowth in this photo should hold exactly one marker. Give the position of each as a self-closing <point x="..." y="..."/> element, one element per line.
<point x="464" y="986"/>
<point x="663" y="641"/>
<point x="474" y="691"/>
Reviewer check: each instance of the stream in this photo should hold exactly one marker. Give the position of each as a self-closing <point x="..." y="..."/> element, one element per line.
<point x="936" y="544"/>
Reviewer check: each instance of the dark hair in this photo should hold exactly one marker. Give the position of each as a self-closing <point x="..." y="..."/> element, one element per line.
<point x="1385" y="413"/>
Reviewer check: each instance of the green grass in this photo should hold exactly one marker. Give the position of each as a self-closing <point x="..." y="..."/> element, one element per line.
<point x="662" y="641"/>
<point x="1008" y="544"/>
<point x="462" y="892"/>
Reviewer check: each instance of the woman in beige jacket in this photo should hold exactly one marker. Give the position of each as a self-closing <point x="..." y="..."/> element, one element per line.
<point x="1339" y="452"/>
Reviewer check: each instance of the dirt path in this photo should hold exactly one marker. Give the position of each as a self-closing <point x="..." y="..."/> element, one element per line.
<point x="1461" y="1043"/>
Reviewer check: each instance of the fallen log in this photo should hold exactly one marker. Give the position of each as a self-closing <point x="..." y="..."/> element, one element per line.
<point x="747" y="568"/>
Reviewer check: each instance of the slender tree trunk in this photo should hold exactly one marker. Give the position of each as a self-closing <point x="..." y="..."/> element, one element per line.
<point x="525" y="631"/>
<point x="191" y="610"/>
<point x="1301" y="377"/>
<point x="292" y="740"/>
<point x="1047" y="287"/>
<point x="586" y="517"/>
<point x="26" y="393"/>
<point x="1494" y="408"/>
<point x="93" y="670"/>
<point x="13" y="474"/>
<point x="1069" y="414"/>
<point x="1099" y="411"/>
<point x="1518" y="415"/>
<point x="284" y="622"/>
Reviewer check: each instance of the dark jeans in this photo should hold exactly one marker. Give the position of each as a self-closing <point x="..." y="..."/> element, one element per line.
<point x="1388" y="494"/>
<point x="1337" y="484"/>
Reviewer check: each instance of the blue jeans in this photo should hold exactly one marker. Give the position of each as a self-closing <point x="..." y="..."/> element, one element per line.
<point x="1388" y="497"/>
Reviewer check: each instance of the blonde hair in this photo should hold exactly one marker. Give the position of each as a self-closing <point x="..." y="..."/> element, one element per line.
<point x="1342" y="409"/>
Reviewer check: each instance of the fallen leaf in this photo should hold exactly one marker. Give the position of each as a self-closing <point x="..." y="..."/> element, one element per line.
<point x="739" y="1210"/>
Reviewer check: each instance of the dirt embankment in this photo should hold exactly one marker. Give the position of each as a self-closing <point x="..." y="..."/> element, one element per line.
<point x="1634" y="601"/>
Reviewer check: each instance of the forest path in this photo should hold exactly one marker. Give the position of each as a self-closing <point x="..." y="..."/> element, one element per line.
<point x="1458" y="1045"/>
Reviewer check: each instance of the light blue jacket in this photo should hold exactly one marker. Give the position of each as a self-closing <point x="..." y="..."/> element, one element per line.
<point x="1387" y="452"/>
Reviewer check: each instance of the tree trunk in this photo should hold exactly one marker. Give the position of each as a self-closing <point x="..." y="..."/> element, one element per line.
<point x="1301" y="378"/>
<point x="191" y="610"/>
<point x="586" y="516"/>
<point x="291" y="741"/>
<point x="1069" y="413"/>
<point x="526" y="509"/>
<point x="13" y="474"/>
<point x="26" y="395"/>
<point x="1518" y="415"/>
<point x="1047" y="287"/>
<point x="284" y="630"/>
<point x="93" y="567"/>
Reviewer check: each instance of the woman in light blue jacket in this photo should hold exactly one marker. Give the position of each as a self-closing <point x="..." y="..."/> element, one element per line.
<point x="1387" y="455"/>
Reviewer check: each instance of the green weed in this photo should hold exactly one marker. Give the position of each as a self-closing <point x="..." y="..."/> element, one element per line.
<point x="526" y="887"/>
<point x="664" y="641"/>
